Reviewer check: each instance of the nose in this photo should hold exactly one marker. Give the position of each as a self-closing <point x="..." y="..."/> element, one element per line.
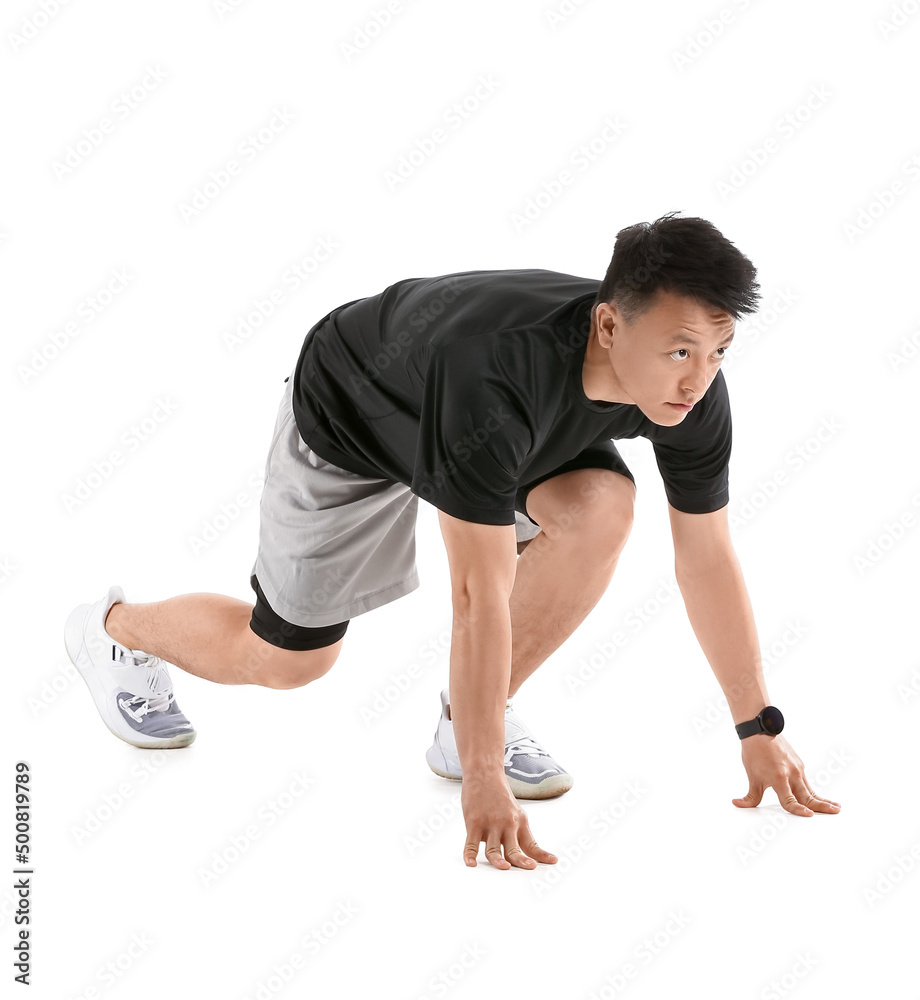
<point x="695" y="384"/>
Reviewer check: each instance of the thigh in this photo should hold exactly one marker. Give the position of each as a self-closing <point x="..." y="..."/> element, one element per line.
<point x="333" y="544"/>
<point x="604" y="477"/>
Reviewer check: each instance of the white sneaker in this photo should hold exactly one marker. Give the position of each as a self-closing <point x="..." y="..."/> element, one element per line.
<point x="531" y="772"/>
<point x="131" y="689"/>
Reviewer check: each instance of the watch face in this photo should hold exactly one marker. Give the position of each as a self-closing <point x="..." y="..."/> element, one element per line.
<point x="772" y="720"/>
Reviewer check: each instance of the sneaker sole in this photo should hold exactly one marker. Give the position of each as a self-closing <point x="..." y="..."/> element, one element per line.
<point x="79" y="656"/>
<point x="548" y="789"/>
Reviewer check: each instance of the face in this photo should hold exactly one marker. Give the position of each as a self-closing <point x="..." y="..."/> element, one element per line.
<point x="669" y="355"/>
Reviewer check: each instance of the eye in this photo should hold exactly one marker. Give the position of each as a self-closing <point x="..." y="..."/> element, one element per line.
<point x="684" y="349"/>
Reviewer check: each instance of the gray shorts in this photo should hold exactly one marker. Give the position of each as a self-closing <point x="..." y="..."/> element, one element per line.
<point x="333" y="544"/>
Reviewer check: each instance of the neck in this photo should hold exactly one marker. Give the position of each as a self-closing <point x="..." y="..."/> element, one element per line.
<point x="598" y="378"/>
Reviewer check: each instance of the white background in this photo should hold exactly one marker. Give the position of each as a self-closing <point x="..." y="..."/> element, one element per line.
<point x="834" y="241"/>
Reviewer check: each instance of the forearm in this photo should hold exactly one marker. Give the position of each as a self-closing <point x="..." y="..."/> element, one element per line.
<point x="722" y="619"/>
<point x="480" y="672"/>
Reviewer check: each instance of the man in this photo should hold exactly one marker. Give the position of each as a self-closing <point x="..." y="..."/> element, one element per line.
<point x="495" y="396"/>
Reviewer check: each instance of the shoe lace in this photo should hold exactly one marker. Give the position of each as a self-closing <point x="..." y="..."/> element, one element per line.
<point x="154" y="703"/>
<point x="159" y="701"/>
<point x="524" y="744"/>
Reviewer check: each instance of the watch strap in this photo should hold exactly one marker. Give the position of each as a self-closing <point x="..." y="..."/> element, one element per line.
<point x="745" y="729"/>
<point x="774" y="726"/>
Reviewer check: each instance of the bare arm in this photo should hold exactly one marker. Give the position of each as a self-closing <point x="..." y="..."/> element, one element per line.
<point x="720" y="613"/>
<point x="719" y="609"/>
<point x="483" y="561"/>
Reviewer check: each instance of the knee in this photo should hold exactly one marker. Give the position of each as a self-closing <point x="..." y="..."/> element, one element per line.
<point x="594" y="512"/>
<point x="283" y="669"/>
<point x="603" y="535"/>
<point x="611" y="516"/>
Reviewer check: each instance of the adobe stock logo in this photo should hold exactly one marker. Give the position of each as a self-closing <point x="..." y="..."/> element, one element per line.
<point x="587" y="153"/>
<point x="455" y="117"/>
<point x="47" y="11"/>
<point x="103" y="469"/>
<point x="432" y="483"/>
<point x="703" y="39"/>
<point x="370" y="29"/>
<point x="93" y="136"/>
<point x="787" y="126"/>
<point x="898" y="17"/>
<point x="87" y="310"/>
<point x="883" y="199"/>
<point x="220" y="178"/>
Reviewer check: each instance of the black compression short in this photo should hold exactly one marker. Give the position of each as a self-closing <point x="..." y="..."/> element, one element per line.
<point x="275" y="630"/>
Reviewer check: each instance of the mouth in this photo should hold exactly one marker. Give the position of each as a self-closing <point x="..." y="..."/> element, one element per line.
<point x="684" y="407"/>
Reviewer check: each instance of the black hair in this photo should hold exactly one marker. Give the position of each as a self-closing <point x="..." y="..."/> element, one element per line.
<point x="688" y="256"/>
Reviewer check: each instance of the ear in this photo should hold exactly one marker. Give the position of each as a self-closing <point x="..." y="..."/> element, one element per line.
<point x="607" y="317"/>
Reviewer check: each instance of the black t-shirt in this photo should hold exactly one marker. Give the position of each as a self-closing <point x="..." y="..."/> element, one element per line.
<point x="468" y="388"/>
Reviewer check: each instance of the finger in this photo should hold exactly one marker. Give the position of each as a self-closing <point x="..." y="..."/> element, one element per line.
<point x="807" y="797"/>
<point x="470" y="850"/>
<point x="516" y="856"/>
<point x="494" y="851"/>
<point x="753" y="797"/>
<point x="817" y="798"/>
<point x="532" y="848"/>
<point x="788" y="801"/>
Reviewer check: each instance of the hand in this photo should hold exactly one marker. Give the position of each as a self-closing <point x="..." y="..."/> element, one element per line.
<point x="771" y="763"/>
<point x="492" y="815"/>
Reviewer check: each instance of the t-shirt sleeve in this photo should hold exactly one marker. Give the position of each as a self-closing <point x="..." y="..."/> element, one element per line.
<point x="474" y="433"/>
<point x="693" y="455"/>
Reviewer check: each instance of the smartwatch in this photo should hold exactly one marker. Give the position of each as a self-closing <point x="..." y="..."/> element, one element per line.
<point x="769" y="721"/>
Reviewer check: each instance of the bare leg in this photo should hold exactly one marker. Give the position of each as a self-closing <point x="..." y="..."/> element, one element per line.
<point x="209" y="636"/>
<point x="552" y="596"/>
<point x="560" y="579"/>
